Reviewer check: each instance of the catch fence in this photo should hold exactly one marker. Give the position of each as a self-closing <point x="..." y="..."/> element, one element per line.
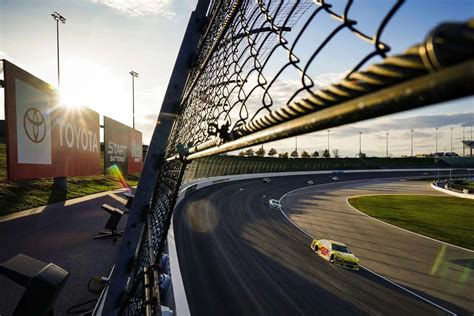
<point x="250" y="72"/>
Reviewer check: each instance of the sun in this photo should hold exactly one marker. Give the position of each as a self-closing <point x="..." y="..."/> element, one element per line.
<point x="86" y="83"/>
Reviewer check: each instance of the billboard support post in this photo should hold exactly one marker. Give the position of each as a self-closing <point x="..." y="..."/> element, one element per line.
<point x="60" y="183"/>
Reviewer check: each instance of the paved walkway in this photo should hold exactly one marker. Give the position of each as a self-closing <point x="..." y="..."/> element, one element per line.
<point x="433" y="268"/>
<point x="62" y="233"/>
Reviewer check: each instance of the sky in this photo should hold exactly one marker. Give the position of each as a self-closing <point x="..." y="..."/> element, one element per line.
<point x="103" y="40"/>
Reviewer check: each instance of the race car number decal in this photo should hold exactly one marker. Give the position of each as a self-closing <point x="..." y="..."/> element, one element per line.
<point x="324" y="251"/>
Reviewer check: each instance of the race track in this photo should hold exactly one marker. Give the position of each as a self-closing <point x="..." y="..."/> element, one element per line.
<point x="239" y="257"/>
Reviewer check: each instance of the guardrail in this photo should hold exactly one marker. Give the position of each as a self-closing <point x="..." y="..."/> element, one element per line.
<point x="446" y="186"/>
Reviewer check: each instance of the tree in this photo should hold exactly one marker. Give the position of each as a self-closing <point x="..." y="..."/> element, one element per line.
<point x="242" y="154"/>
<point x="294" y="154"/>
<point x="249" y="152"/>
<point x="272" y="152"/>
<point x="305" y="154"/>
<point x="260" y="152"/>
<point x="326" y="154"/>
<point x="285" y="155"/>
<point x="315" y="154"/>
<point x="335" y="153"/>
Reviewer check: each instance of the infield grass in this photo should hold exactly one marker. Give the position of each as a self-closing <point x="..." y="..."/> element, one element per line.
<point x="22" y="195"/>
<point x="446" y="218"/>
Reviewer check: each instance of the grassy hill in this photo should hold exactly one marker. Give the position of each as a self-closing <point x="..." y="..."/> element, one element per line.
<point x="21" y="195"/>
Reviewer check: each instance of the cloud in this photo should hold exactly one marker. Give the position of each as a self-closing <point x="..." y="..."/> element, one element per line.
<point x="140" y="7"/>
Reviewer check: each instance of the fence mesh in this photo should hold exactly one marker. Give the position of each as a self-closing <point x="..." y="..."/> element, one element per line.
<point x="260" y="63"/>
<point x="262" y="55"/>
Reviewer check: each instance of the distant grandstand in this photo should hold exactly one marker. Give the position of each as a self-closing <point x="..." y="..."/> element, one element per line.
<point x="469" y="144"/>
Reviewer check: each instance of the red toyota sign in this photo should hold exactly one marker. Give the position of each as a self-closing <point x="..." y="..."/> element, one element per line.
<point x="135" y="158"/>
<point x="43" y="138"/>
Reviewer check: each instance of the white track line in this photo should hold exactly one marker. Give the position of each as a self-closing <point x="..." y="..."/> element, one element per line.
<point x="367" y="269"/>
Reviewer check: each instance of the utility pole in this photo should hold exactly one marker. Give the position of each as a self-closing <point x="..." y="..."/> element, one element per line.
<point x="386" y="144"/>
<point x="436" y="140"/>
<point x="134" y="75"/>
<point x="360" y="144"/>
<point x="412" y="142"/>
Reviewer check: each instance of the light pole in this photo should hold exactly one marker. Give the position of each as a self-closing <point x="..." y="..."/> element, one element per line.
<point x="463" y="146"/>
<point x="134" y="75"/>
<point x="296" y="143"/>
<point x="59" y="18"/>
<point x="360" y="144"/>
<point x="452" y="139"/>
<point x="386" y="144"/>
<point x="412" y="142"/>
<point x="328" y="141"/>
<point x="436" y="140"/>
<point x="59" y="182"/>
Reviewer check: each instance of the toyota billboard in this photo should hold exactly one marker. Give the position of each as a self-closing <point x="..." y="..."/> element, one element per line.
<point x="123" y="147"/>
<point x="45" y="139"/>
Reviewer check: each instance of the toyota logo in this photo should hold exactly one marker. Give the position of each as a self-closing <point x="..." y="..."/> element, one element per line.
<point x="35" y="125"/>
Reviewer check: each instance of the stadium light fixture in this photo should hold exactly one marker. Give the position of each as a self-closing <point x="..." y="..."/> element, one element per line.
<point x="58" y="18"/>
<point x="134" y="75"/>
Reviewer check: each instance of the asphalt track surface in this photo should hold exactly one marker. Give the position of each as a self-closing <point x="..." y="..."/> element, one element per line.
<point x="239" y="257"/>
<point x="437" y="269"/>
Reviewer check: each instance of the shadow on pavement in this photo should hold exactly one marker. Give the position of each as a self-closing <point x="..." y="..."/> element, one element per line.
<point x="61" y="235"/>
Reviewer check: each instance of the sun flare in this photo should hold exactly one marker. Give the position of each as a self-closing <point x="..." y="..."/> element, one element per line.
<point x="86" y="83"/>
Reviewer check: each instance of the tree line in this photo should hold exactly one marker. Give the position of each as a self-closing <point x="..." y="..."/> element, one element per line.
<point x="294" y="154"/>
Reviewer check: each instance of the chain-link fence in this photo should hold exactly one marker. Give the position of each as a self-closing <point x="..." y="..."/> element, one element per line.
<point x="255" y="74"/>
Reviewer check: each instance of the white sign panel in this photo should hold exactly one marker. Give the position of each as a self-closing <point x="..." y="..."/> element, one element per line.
<point x="33" y="124"/>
